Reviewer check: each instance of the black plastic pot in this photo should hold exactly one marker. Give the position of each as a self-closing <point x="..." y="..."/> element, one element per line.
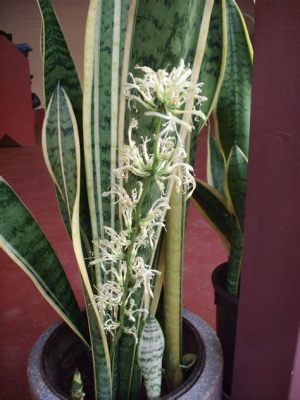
<point x="58" y="351"/>
<point x="226" y="318"/>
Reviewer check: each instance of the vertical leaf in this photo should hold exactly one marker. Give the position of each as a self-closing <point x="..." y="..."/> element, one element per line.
<point x="233" y="107"/>
<point x="175" y="223"/>
<point x="60" y="68"/>
<point x="237" y="182"/>
<point x="104" y="48"/>
<point x="58" y="62"/>
<point x="234" y="263"/>
<point x="59" y="146"/>
<point x="150" y="354"/>
<point x="215" y="164"/>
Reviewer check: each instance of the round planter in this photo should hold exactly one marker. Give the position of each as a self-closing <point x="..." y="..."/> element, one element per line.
<point x="226" y="318"/>
<point x="58" y="352"/>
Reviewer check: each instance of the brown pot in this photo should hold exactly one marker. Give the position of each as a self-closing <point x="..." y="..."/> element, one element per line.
<point x="226" y="318"/>
<point x="58" y="352"/>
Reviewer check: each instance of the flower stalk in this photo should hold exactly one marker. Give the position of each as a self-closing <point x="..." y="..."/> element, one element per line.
<point x="147" y="168"/>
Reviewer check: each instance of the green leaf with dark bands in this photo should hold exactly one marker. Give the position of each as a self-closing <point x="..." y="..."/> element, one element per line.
<point x="237" y="182"/>
<point x="215" y="164"/>
<point x="23" y="240"/>
<point x="234" y="102"/>
<point x="214" y="209"/>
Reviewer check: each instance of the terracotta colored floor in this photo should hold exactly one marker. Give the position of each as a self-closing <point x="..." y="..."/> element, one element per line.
<point x="24" y="314"/>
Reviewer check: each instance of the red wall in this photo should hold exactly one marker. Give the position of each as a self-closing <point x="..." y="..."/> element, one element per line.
<point x="16" y="114"/>
<point x="269" y="311"/>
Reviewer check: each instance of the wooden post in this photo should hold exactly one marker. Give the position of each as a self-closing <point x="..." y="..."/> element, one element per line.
<point x="269" y="310"/>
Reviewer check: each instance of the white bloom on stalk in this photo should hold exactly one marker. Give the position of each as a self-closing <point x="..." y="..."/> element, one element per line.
<point x="165" y="94"/>
<point x="165" y="164"/>
<point x="112" y="250"/>
<point x="127" y="202"/>
<point x="143" y="275"/>
<point x="153" y="219"/>
<point x="109" y="297"/>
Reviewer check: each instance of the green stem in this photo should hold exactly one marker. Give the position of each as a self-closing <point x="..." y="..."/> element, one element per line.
<point x="135" y="233"/>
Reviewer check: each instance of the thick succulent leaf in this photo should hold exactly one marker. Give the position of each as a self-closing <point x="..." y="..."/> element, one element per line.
<point x="60" y="68"/>
<point x="213" y="207"/>
<point x="102" y="373"/>
<point x="163" y="35"/>
<point x="215" y="164"/>
<point x="104" y="51"/>
<point x="214" y="60"/>
<point x="58" y="62"/>
<point x="237" y="182"/>
<point x="174" y="239"/>
<point x="59" y="146"/>
<point x="58" y="141"/>
<point x="233" y="107"/>
<point x="100" y="351"/>
<point x="22" y="239"/>
<point x="150" y="354"/>
<point x="234" y="262"/>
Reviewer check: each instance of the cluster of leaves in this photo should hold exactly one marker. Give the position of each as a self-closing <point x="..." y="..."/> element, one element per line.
<point x="82" y="135"/>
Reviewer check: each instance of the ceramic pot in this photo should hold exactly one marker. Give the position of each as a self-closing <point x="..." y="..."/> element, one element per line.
<point x="226" y="319"/>
<point x="58" y="352"/>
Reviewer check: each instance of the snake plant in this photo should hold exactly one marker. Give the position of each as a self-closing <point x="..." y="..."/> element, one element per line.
<point x="119" y="153"/>
<point x="222" y="198"/>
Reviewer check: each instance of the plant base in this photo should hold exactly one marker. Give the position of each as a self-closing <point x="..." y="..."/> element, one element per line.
<point x="58" y="351"/>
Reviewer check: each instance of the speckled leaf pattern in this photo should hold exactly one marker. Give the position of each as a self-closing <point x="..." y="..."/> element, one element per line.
<point x="165" y="33"/>
<point x="213" y="65"/>
<point x="103" y="64"/>
<point x="214" y="209"/>
<point x="215" y="164"/>
<point x="59" y="146"/>
<point x="233" y="107"/>
<point x="22" y="239"/>
<point x="59" y="67"/>
<point x="102" y="376"/>
<point x="150" y="354"/>
<point x="58" y="62"/>
<point x="237" y="182"/>
<point x="234" y="262"/>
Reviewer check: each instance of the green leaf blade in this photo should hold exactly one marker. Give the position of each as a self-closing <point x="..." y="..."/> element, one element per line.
<point x="150" y="354"/>
<point x="215" y="164"/>
<point x="234" y="102"/>
<point x="237" y="182"/>
<point x="58" y="62"/>
<point x="59" y="147"/>
<point x="213" y="207"/>
<point x="23" y="240"/>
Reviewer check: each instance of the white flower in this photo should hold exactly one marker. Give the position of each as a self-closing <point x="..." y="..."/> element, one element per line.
<point x="165" y="94"/>
<point x="109" y="297"/>
<point x="143" y="275"/>
<point x="127" y="203"/>
<point x="112" y="250"/>
<point x="111" y="326"/>
<point x="152" y="220"/>
<point x="136" y="159"/>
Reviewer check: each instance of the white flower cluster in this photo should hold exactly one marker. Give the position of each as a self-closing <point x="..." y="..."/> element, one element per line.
<point x="156" y="160"/>
<point x="166" y="163"/>
<point x="164" y="95"/>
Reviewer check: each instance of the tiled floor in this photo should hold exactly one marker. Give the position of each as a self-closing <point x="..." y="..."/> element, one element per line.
<point x="24" y="314"/>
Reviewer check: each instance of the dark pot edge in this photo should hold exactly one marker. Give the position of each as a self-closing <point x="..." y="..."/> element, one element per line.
<point x="208" y="386"/>
<point x="217" y="285"/>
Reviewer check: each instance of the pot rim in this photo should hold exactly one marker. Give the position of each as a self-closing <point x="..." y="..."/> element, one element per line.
<point x="204" y="383"/>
